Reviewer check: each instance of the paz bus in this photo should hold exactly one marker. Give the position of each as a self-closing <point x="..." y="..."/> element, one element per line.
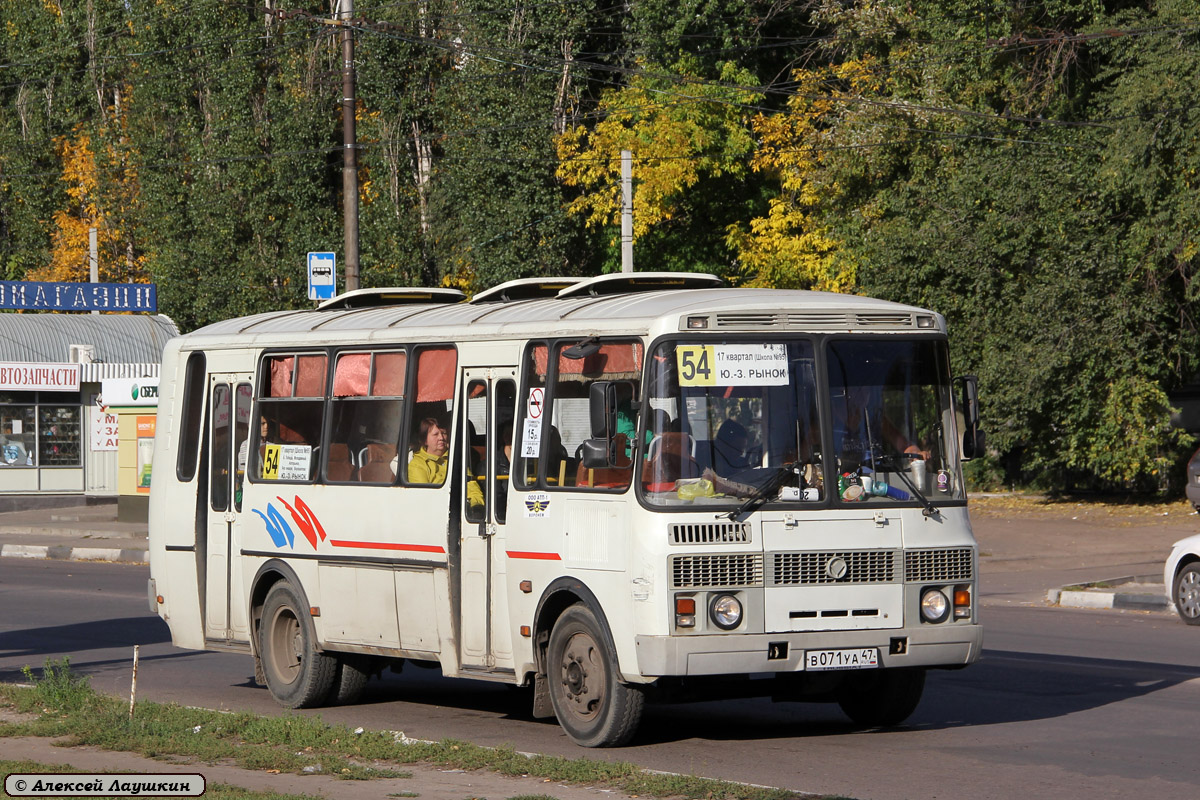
<point x="629" y="488"/>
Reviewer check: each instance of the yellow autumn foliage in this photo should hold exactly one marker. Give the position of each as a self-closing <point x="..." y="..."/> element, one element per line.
<point x="679" y="128"/>
<point x="790" y="248"/>
<point x="69" y="253"/>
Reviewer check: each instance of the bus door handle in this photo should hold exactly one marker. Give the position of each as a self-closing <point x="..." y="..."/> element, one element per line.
<point x="487" y="529"/>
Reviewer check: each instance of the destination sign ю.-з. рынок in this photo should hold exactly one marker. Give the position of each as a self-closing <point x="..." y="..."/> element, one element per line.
<point x="46" y="296"/>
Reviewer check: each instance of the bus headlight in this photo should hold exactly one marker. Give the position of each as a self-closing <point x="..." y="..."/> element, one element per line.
<point x="725" y="611"/>
<point x="935" y="607"/>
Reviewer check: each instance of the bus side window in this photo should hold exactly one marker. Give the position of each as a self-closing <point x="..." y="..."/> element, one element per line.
<point x="220" y="460"/>
<point x="430" y="417"/>
<point x="474" y="460"/>
<point x="365" y="421"/>
<point x="193" y="413"/>
<point x="502" y="419"/>
<point x="619" y="361"/>
<point x="291" y="408"/>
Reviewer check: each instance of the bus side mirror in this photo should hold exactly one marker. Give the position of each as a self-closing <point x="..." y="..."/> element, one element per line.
<point x="972" y="437"/>
<point x="605" y="400"/>
<point x="595" y="453"/>
<point x="602" y="408"/>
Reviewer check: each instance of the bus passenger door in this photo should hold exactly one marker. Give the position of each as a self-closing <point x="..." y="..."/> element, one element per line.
<point x="229" y="397"/>
<point x="488" y="398"/>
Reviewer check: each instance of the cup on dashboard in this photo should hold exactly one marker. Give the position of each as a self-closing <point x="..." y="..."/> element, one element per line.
<point x="917" y="468"/>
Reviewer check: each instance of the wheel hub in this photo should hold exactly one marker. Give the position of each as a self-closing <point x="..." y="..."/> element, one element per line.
<point x="582" y="676"/>
<point x="287" y="652"/>
<point x="1188" y="596"/>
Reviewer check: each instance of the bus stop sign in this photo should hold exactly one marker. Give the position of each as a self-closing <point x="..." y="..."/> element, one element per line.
<point x="322" y="278"/>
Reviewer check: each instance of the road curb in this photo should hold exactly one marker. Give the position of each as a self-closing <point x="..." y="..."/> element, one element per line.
<point x="1092" y="598"/>
<point x="65" y="553"/>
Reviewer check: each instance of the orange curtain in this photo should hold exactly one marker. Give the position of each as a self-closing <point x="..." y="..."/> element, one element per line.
<point x="389" y="374"/>
<point x="435" y="373"/>
<point x="350" y="375"/>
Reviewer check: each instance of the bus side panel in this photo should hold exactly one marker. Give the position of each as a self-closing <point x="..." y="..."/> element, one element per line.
<point x="174" y="571"/>
<point x="371" y="558"/>
<point x="586" y="537"/>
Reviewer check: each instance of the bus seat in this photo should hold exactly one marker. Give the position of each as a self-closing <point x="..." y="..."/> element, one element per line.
<point x="671" y="437"/>
<point x="289" y="435"/>
<point x="671" y="460"/>
<point x="339" y="468"/>
<point x="377" y="463"/>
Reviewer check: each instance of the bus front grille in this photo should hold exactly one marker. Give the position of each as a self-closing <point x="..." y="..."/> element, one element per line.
<point x="949" y="564"/>
<point x="850" y="566"/>
<point x="718" y="571"/>
<point x="711" y="533"/>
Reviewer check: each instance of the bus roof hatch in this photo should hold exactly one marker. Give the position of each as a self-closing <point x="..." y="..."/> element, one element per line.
<point x="630" y="282"/>
<point x="393" y="296"/>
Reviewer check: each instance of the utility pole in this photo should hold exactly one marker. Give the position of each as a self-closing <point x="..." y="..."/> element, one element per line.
<point x="626" y="211"/>
<point x="93" y="259"/>
<point x="349" y="148"/>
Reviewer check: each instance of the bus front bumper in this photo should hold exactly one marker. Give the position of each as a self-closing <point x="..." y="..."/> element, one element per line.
<point x="951" y="645"/>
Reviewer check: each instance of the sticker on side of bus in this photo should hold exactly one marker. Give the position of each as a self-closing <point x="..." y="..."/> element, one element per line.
<point x="859" y="658"/>
<point x="286" y="462"/>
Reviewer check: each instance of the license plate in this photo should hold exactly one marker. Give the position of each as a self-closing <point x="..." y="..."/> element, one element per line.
<point x="863" y="658"/>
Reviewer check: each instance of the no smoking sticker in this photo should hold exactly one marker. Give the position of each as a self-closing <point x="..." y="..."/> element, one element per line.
<point x="536" y="404"/>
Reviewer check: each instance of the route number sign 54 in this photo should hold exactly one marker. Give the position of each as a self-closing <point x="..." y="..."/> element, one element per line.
<point x="695" y="365"/>
<point x="732" y="364"/>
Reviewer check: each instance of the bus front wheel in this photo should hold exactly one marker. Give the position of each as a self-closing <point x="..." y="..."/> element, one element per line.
<point x="298" y="675"/>
<point x="881" y="698"/>
<point x="592" y="705"/>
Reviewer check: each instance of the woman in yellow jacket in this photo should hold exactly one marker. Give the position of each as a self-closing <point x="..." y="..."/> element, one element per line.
<point x="428" y="464"/>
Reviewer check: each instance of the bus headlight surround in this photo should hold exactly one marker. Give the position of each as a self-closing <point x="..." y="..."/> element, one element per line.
<point x="935" y="606"/>
<point x="725" y="611"/>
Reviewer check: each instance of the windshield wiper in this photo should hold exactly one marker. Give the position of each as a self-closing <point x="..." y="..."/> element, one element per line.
<point x="771" y="485"/>
<point x="895" y="468"/>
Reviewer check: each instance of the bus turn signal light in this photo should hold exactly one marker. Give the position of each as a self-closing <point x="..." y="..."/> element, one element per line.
<point x="962" y="602"/>
<point x="685" y="612"/>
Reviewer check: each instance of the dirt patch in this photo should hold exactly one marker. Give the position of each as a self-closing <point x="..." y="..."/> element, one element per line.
<point x="1107" y="511"/>
<point x="14" y="717"/>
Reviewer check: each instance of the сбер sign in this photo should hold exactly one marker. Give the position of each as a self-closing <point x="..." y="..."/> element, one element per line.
<point x="46" y="296"/>
<point x="31" y="377"/>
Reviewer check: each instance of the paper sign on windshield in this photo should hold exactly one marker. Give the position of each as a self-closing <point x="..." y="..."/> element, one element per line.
<point x="732" y="365"/>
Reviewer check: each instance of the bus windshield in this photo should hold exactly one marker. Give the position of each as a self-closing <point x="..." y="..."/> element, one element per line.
<point x="730" y="420"/>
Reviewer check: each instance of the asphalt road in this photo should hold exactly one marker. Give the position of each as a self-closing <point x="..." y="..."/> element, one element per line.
<point x="1068" y="703"/>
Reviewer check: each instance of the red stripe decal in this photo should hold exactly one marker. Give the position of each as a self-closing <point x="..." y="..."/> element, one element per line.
<point x="419" y="548"/>
<point x="535" y="556"/>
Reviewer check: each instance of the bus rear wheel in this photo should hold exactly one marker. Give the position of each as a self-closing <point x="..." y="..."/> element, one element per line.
<point x="350" y="679"/>
<point x="881" y="698"/>
<point x="298" y="675"/>
<point x="592" y="705"/>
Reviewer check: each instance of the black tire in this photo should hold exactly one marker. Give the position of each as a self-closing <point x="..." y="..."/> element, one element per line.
<point x="881" y="698"/>
<point x="592" y="705"/>
<point x="1186" y="593"/>
<point x="350" y="679"/>
<point x="297" y="674"/>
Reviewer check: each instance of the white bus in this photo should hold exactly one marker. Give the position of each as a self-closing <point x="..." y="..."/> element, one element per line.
<point x="610" y="490"/>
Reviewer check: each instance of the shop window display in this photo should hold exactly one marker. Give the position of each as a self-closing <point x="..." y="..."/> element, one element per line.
<point x="45" y="433"/>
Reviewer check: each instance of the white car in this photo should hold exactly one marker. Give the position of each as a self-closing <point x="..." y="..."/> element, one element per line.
<point x="1182" y="578"/>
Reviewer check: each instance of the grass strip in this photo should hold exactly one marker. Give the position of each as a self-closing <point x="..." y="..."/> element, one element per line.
<point x="63" y="704"/>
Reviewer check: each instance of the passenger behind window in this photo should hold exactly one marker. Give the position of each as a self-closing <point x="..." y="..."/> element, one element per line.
<point x="557" y="461"/>
<point x="729" y="448"/>
<point x="428" y="464"/>
<point x="503" y="467"/>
